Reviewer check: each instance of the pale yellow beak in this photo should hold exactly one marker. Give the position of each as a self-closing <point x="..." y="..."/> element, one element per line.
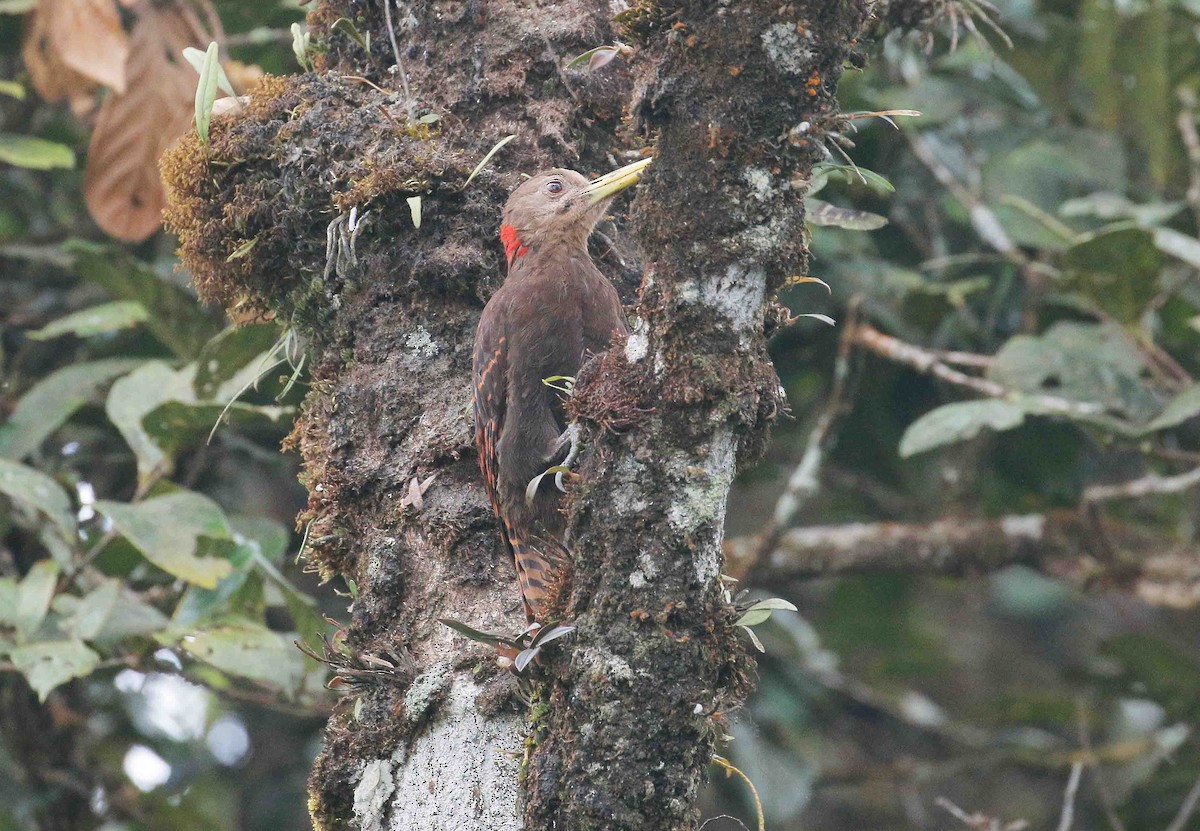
<point x="612" y="183"/>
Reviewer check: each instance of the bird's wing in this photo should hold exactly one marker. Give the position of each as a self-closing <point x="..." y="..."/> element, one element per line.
<point x="490" y="373"/>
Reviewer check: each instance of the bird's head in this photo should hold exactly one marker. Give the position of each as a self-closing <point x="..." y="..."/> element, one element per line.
<point x="560" y="206"/>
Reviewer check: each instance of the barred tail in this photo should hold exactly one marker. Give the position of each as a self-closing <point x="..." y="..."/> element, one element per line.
<point x="535" y="574"/>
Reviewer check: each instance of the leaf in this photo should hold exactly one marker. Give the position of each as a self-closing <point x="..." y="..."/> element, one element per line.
<point x="957" y="422"/>
<point x="249" y="651"/>
<point x="174" y="426"/>
<point x="34" y="594"/>
<point x="234" y="359"/>
<point x="175" y="318"/>
<point x="70" y="46"/>
<point x="525" y="657"/>
<point x="551" y="633"/>
<point x="1117" y="268"/>
<point x="824" y="171"/>
<point x="16" y="6"/>
<point x="1093" y="364"/>
<point x="754" y="639"/>
<point x="131" y="617"/>
<point x="131" y="398"/>
<point x="753" y="618"/>
<point x="94" y="609"/>
<point x="599" y="56"/>
<point x="98" y="320"/>
<point x="483" y="162"/>
<point x="1177" y="245"/>
<point x="168" y="531"/>
<point x="1184" y="406"/>
<point x="473" y="634"/>
<point x="12" y="89"/>
<point x="852" y="219"/>
<point x="206" y="90"/>
<point x="38" y="492"/>
<point x="300" y="40"/>
<point x="47" y="665"/>
<point x="414" y="210"/>
<point x="48" y="404"/>
<point x="34" y="153"/>
<point x="199" y="60"/>
<point x="122" y="184"/>
<point x="532" y="488"/>
<point x="826" y="319"/>
<point x="774" y="603"/>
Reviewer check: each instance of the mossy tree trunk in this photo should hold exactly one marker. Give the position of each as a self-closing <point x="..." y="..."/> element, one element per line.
<point x="627" y="710"/>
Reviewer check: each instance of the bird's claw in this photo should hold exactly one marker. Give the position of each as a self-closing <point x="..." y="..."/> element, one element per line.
<point x="569" y="437"/>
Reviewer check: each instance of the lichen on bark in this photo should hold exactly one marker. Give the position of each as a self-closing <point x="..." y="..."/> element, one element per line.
<point x="628" y="708"/>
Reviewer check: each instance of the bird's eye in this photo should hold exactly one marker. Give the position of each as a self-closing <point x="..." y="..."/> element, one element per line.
<point x="554" y="186"/>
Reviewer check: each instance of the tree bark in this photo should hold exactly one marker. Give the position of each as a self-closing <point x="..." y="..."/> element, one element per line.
<point x="738" y="98"/>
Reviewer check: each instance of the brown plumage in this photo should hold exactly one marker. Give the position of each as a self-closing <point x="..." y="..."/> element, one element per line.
<point x="554" y="309"/>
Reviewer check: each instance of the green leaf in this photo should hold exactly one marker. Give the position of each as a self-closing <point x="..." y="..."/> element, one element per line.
<point x="852" y="219"/>
<point x="34" y="594"/>
<point x="249" y="651"/>
<point x="957" y="422"/>
<point x="774" y="603"/>
<point x="1184" y="406"/>
<point x="473" y="634"/>
<point x="94" y="609"/>
<point x="98" y="320"/>
<point x="206" y="90"/>
<point x="47" y="665"/>
<point x="235" y="359"/>
<point x="131" y="617"/>
<point x="36" y="491"/>
<point x="753" y="618"/>
<point x="300" y="41"/>
<point x="176" y="319"/>
<point x="48" y="404"/>
<point x="133" y="397"/>
<point x="168" y="531"/>
<point x="1089" y="363"/>
<point x="17" y="6"/>
<point x="823" y="172"/>
<point x="1116" y="268"/>
<point x="12" y="89"/>
<point x="34" y="153"/>
<point x="483" y="162"/>
<point x="176" y="425"/>
<point x="199" y="59"/>
<point x="8" y="601"/>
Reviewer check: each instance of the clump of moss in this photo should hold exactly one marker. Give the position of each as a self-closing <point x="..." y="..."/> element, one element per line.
<point x="252" y="206"/>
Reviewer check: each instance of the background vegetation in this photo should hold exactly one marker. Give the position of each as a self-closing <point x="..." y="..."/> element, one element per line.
<point x="1016" y="337"/>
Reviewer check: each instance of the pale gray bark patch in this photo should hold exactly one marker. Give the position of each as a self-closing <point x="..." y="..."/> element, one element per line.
<point x="462" y="774"/>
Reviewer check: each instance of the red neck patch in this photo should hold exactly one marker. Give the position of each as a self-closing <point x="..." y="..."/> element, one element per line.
<point x="512" y="243"/>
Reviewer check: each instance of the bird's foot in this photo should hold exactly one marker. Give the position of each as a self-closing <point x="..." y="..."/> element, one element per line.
<point x="570" y="439"/>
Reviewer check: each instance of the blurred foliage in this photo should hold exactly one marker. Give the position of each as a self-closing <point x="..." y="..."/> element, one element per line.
<point x="1044" y="221"/>
<point x="149" y="592"/>
<point x="1041" y="213"/>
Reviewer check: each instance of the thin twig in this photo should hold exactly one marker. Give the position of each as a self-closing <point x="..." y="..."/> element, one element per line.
<point x="804" y="481"/>
<point x="1187" y="809"/>
<point x="1067" y="817"/>
<point x="1151" y="485"/>
<point x="1099" y="781"/>
<point x="932" y="363"/>
<point x="408" y="100"/>
<point x="1191" y="141"/>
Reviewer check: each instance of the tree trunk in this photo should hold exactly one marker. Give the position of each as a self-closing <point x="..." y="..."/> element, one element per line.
<point x="737" y="97"/>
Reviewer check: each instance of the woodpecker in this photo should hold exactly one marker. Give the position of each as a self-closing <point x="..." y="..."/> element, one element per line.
<point x="554" y="309"/>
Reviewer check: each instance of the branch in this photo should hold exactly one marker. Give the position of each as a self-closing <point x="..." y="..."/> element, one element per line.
<point x="1150" y="485"/>
<point x="1061" y="544"/>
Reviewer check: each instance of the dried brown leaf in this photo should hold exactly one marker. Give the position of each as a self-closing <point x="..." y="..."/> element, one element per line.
<point x="71" y="46"/>
<point x="122" y="185"/>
